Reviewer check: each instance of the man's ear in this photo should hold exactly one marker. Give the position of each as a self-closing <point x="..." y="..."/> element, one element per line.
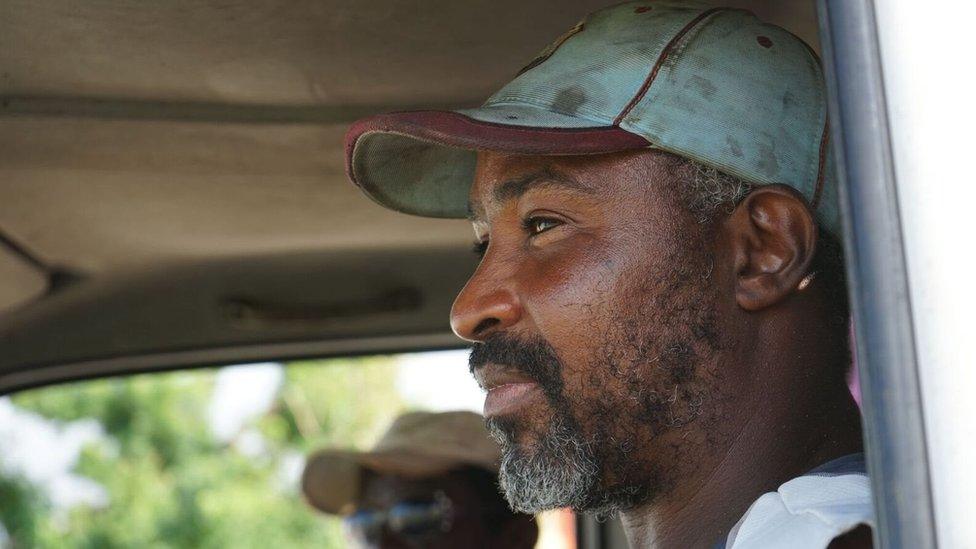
<point x="773" y="237"/>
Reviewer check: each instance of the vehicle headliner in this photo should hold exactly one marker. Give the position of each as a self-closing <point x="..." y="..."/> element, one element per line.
<point x="162" y="160"/>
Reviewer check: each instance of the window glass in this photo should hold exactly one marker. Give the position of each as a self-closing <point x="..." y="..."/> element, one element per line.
<point x="207" y="458"/>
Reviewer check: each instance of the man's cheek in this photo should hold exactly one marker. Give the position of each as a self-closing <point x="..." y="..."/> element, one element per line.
<point x="572" y="308"/>
<point x="574" y="271"/>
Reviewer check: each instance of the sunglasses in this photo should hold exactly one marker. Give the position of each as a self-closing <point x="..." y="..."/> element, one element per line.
<point x="415" y="522"/>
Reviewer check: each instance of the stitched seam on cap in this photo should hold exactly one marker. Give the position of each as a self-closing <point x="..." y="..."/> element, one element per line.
<point x="552" y="48"/>
<point x="660" y="61"/>
<point x="824" y="139"/>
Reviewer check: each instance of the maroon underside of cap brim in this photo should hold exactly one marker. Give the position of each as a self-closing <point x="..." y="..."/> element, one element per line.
<point x="457" y="130"/>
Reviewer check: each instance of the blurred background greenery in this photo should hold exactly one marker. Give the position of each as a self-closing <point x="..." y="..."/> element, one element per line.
<point x="170" y="479"/>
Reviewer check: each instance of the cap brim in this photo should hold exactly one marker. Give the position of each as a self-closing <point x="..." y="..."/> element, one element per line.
<point x="423" y="162"/>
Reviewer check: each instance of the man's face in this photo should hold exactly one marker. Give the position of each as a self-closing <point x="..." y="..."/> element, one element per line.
<point x="594" y="311"/>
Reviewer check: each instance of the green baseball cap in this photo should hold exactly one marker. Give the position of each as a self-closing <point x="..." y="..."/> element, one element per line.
<point x="714" y="85"/>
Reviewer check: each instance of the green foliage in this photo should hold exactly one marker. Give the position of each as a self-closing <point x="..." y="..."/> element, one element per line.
<point x="172" y="484"/>
<point x="350" y="408"/>
<point x="20" y="506"/>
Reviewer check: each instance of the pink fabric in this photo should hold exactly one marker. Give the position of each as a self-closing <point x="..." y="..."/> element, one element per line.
<point x="853" y="381"/>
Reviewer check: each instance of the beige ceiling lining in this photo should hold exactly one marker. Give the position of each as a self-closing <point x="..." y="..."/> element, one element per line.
<point x="171" y="147"/>
<point x="20" y="280"/>
<point x="286" y="52"/>
<point x="95" y="194"/>
<point x="129" y="109"/>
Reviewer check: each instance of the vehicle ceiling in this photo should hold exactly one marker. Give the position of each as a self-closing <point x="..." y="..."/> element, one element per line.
<point x="162" y="163"/>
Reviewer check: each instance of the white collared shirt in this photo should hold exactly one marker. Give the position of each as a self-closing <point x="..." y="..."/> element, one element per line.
<point x="808" y="511"/>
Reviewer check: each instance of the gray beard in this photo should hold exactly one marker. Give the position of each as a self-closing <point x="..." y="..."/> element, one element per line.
<point x="562" y="470"/>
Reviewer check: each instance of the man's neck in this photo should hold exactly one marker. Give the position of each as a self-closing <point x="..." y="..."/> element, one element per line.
<point x="763" y="455"/>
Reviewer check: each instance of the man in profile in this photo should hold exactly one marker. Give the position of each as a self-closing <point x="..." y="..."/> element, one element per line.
<point x="429" y="483"/>
<point x="659" y="316"/>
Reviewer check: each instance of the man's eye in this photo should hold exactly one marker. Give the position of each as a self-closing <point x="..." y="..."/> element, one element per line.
<point x="538" y="225"/>
<point x="480" y="247"/>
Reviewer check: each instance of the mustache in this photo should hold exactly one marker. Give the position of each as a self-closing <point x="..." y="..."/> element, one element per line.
<point x="534" y="359"/>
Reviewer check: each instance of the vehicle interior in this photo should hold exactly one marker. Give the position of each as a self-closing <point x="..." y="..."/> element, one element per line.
<point x="173" y="188"/>
<point x="172" y="192"/>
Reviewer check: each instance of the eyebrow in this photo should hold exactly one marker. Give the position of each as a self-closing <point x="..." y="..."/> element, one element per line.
<point x="544" y="178"/>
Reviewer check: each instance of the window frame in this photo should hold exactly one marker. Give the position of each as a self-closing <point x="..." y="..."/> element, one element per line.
<point x="894" y="427"/>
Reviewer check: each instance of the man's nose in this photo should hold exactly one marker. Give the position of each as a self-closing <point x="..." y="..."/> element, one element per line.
<point x="482" y="309"/>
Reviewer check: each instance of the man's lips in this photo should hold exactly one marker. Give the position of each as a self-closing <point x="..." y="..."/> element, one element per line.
<point x="507" y="390"/>
<point x="506" y="399"/>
